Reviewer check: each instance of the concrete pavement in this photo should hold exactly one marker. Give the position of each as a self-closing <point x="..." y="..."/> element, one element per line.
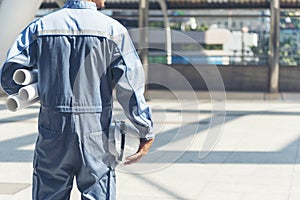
<point x="201" y="152"/>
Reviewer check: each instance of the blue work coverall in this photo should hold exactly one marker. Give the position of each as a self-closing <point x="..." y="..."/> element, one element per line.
<point x="81" y="55"/>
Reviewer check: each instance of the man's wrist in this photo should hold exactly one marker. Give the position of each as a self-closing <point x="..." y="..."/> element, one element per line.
<point x="144" y="140"/>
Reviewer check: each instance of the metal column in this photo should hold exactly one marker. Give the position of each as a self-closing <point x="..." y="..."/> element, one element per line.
<point x="144" y="37"/>
<point x="164" y="9"/>
<point x="274" y="47"/>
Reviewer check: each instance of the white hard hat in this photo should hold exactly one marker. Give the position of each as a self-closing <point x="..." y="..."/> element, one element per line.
<point x="124" y="140"/>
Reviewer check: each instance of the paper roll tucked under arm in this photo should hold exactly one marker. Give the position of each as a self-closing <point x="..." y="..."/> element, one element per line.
<point x="29" y="92"/>
<point x="25" y="77"/>
<point x="15" y="102"/>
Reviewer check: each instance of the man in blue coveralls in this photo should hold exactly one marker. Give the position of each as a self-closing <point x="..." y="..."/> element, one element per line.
<point x="81" y="55"/>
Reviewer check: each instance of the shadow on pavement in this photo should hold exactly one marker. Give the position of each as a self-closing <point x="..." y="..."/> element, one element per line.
<point x="10" y="149"/>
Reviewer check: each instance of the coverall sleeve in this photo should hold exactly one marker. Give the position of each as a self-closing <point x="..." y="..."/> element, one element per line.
<point x="21" y="55"/>
<point x="130" y="87"/>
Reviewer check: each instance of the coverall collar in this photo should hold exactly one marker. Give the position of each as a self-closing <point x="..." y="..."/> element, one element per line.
<point x="78" y="4"/>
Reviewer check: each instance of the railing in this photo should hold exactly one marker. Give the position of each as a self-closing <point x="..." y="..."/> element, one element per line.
<point x="184" y="58"/>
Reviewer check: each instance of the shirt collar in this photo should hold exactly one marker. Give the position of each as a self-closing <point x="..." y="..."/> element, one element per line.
<point x="79" y="4"/>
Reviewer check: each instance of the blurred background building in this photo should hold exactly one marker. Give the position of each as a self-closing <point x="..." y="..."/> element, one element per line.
<point x="237" y="36"/>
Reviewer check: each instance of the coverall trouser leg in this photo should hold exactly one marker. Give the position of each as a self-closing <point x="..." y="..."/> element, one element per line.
<point x="72" y="145"/>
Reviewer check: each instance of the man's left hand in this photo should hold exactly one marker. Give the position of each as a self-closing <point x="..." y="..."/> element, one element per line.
<point x="143" y="150"/>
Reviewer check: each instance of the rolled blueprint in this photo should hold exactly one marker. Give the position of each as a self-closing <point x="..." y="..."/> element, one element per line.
<point x="15" y="102"/>
<point x="25" y="77"/>
<point x="29" y="92"/>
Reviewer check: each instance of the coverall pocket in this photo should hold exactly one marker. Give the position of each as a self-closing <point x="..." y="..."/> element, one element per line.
<point x="89" y="123"/>
<point x="93" y="147"/>
<point x="54" y="122"/>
